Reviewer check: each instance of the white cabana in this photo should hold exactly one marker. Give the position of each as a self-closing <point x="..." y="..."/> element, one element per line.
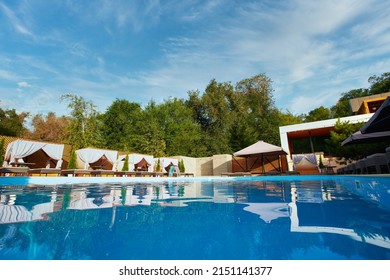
<point x="92" y="155"/>
<point x="134" y="159"/>
<point x="19" y="149"/>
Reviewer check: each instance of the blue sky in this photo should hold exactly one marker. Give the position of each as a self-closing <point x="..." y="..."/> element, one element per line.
<point x="313" y="51"/>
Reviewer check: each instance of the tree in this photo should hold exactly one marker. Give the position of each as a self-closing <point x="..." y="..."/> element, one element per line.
<point x="348" y="153"/>
<point x="150" y="136"/>
<point x="12" y="123"/>
<point x="380" y="84"/>
<point x="119" y="129"/>
<point x="218" y="117"/>
<point x="2" y="152"/>
<point x="126" y="163"/>
<point x="158" y="166"/>
<point x="318" y="114"/>
<point x="343" y="108"/>
<point x="85" y="124"/>
<point x="259" y="113"/>
<point x="72" y="161"/>
<point x="181" y="166"/>
<point x="49" y="128"/>
<point x="289" y="118"/>
<point x="181" y="134"/>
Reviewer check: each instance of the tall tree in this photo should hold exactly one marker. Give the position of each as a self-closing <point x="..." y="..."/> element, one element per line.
<point x="218" y="117"/>
<point x="342" y="107"/>
<point x="182" y="135"/>
<point x="85" y="125"/>
<point x="318" y="114"/>
<point x="348" y="153"/>
<point x="260" y="112"/>
<point x="119" y="128"/>
<point x="380" y="84"/>
<point x="12" y="123"/>
<point x="49" y="128"/>
<point x="150" y="136"/>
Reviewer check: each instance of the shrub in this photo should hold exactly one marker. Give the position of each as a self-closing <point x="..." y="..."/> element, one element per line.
<point x="72" y="161"/>
<point x="126" y="164"/>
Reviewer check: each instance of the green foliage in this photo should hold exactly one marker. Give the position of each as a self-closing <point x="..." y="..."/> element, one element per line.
<point x="126" y="164"/>
<point x="158" y="166"/>
<point x="85" y="123"/>
<point x="2" y="152"/>
<point x="380" y="84"/>
<point x="232" y="118"/>
<point x="342" y="108"/>
<point x="318" y="114"/>
<point x="72" y="161"/>
<point x="348" y="153"/>
<point x="150" y="135"/>
<point x="11" y="123"/>
<point x="119" y="125"/>
<point x="181" y="166"/>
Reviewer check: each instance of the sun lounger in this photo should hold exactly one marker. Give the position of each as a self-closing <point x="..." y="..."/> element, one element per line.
<point x="272" y="173"/>
<point x="292" y="172"/>
<point x="377" y="164"/>
<point x="75" y="172"/>
<point x="44" y="171"/>
<point x="14" y="171"/>
<point x="236" y="174"/>
<point x="102" y="172"/>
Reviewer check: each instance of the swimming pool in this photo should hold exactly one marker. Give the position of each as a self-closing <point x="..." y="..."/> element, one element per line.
<point x="247" y="218"/>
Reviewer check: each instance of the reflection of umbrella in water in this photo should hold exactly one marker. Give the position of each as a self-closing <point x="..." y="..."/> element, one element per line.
<point x="269" y="211"/>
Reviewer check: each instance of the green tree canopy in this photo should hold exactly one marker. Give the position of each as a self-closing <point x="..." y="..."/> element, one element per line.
<point x="12" y="123"/>
<point x="348" y="153"/>
<point x="318" y="114"/>
<point x="85" y="125"/>
<point x="342" y="107"/>
<point x="380" y="84"/>
<point x="119" y="125"/>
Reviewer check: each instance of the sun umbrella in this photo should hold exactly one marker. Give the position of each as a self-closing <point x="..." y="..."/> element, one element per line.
<point x="360" y="138"/>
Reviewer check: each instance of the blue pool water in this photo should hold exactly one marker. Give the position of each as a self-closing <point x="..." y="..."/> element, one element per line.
<point x="273" y="218"/>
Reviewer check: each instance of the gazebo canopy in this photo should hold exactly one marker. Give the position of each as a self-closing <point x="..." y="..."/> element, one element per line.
<point x="19" y="149"/>
<point x="260" y="148"/>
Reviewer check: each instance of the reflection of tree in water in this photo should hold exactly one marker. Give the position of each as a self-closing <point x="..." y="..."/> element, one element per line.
<point x="365" y="230"/>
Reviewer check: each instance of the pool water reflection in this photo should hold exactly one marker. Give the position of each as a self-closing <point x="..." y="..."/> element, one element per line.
<point x="205" y="220"/>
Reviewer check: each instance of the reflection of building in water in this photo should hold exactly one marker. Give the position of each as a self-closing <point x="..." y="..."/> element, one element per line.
<point x="314" y="210"/>
<point x="310" y="191"/>
<point x="297" y="220"/>
<point x="11" y="213"/>
<point x="138" y="195"/>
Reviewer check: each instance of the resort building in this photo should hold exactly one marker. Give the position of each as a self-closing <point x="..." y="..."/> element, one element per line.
<point x="308" y="138"/>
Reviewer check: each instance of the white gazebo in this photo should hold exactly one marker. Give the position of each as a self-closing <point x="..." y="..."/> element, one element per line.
<point x="88" y="156"/>
<point x="19" y="150"/>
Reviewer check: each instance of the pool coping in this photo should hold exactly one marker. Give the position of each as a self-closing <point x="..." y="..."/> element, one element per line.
<point x="62" y="180"/>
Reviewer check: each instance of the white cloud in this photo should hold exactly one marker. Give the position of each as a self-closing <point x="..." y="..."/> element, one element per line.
<point x="15" y="22"/>
<point x="24" y="85"/>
